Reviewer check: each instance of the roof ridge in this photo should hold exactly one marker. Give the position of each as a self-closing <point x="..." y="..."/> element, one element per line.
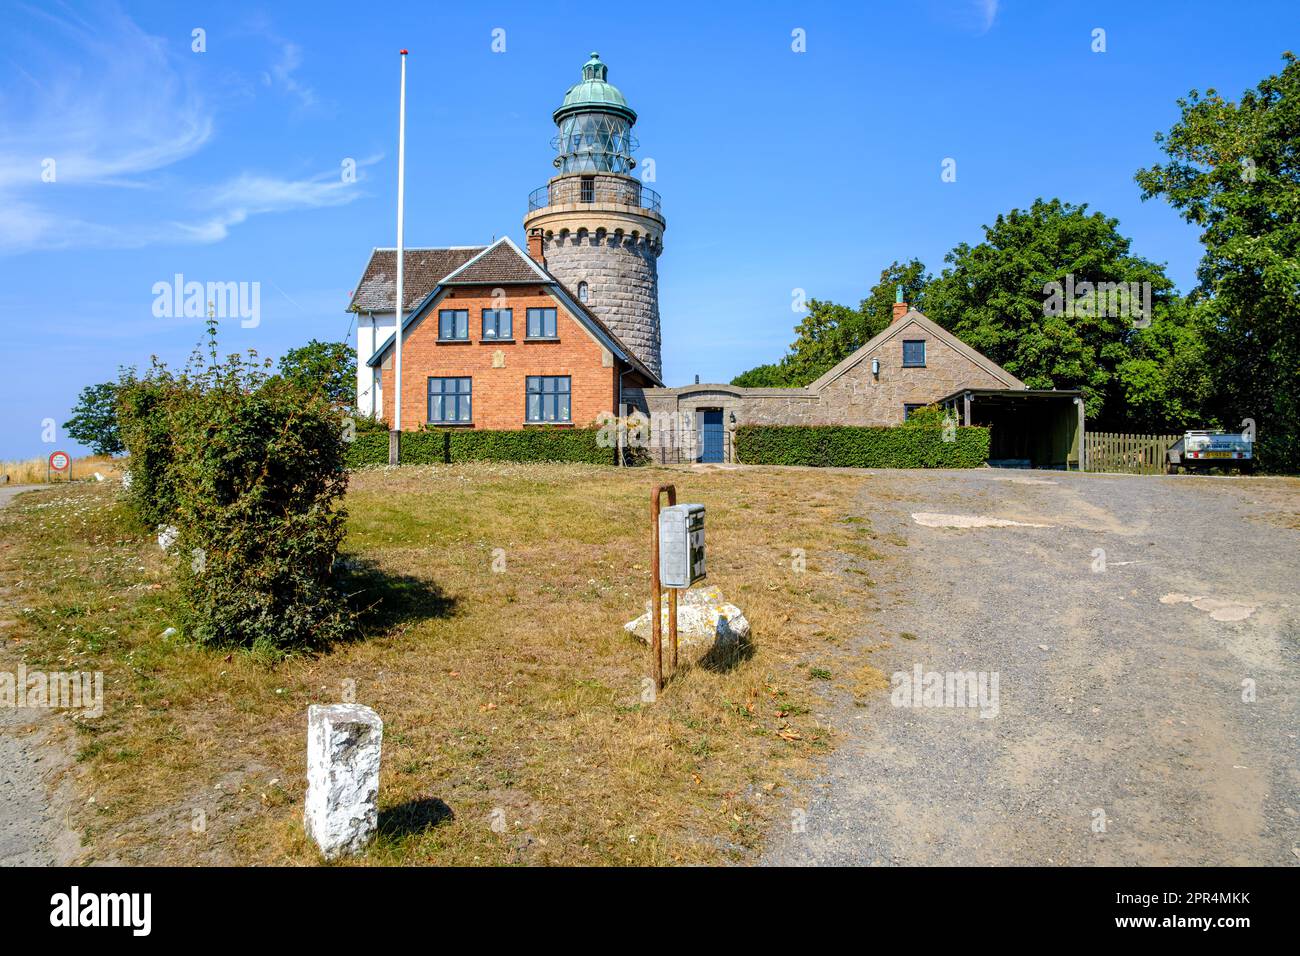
<point x="537" y="272"/>
<point x="896" y="326"/>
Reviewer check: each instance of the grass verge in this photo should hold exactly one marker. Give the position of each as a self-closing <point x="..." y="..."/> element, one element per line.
<point x="492" y="647"/>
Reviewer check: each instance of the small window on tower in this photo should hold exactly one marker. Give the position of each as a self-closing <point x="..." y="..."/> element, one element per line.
<point x="582" y="292"/>
<point x="588" y="188"/>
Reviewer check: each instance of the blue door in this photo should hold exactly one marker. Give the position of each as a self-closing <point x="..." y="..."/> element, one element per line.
<point x="713" y="447"/>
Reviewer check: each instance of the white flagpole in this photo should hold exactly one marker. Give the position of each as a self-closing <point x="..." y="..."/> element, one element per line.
<point x="401" y="201"/>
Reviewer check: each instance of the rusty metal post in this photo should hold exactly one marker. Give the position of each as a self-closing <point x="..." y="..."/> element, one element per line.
<point x="656" y="627"/>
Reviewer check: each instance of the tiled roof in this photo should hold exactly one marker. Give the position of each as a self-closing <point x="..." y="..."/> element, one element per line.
<point x="502" y="263"/>
<point x="422" y="271"/>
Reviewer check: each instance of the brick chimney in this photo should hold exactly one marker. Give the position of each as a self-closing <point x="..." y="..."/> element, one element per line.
<point x="900" y="307"/>
<point x="535" y="246"/>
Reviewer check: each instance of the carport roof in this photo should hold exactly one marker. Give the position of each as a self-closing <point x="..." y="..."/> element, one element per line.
<point x="1013" y="393"/>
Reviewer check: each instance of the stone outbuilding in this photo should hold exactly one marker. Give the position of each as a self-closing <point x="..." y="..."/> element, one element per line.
<point x="913" y="363"/>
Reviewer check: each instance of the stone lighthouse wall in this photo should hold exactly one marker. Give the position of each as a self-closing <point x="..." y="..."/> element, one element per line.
<point x="622" y="276"/>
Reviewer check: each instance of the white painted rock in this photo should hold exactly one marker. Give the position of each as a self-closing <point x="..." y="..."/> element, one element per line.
<point x="167" y="535"/>
<point x="343" y="746"/>
<point x="98" y="476"/>
<point x="704" y="619"/>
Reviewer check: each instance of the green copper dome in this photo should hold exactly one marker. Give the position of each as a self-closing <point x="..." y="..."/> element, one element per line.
<point x="594" y="94"/>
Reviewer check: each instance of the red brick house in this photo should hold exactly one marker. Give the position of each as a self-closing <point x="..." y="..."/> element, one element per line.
<point x="498" y="342"/>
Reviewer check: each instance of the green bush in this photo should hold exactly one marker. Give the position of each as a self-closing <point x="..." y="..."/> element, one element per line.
<point x="931" y="416"/>
<point x="250" y="469"/>
<point x="448" y="445"/>
<point x="146" y="433"/>
<point x="845" y="446"/>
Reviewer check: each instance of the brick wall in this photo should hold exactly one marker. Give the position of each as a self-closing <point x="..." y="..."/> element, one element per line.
<point x="499" y="369"/>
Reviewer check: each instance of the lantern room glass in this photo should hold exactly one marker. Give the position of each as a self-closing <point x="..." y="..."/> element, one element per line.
<point x="595" y="143"/>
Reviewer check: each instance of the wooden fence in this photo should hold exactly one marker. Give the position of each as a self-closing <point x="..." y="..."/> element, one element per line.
<point x="1127" y="454"/>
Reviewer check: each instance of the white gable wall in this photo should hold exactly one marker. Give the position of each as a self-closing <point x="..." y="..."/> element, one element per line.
<point x="373" y="329"/>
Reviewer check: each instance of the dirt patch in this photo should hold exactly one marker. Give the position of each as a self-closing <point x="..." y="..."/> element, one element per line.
<point x="1217" y="608"/>
<point x="932" y="520"/>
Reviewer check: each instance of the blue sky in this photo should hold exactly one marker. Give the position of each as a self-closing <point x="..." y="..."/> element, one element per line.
<point x="778" y="170"/>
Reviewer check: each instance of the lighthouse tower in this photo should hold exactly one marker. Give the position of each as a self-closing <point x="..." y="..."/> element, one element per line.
<point x="598" y="227"/>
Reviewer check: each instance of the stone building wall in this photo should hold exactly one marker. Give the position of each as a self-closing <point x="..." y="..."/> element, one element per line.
<point x="860" y="398"/>
<point x="622" y="276"/>
<point x="855" y="396"/>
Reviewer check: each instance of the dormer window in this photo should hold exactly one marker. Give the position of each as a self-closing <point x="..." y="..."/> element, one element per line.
<point x="582" y="292"/>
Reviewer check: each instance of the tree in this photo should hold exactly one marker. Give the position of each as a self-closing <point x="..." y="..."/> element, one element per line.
<point x="772" y="375"/>
<point x="94" y="420"/>
<point x="1165" y="383"/>
<point x="831" y="332"/>
<point x="1234" y="171"/>
<point x="994" y="296"/>
<point x="329" y="366"/>
<point x="877" y="309"/>
<point x="820" y="341"/>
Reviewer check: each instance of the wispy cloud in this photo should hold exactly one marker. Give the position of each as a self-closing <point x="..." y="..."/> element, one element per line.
<point x="251" y="194"/>
<point x="98" y="105"/>
<point x="107" y="104"/>
<point x="281" y="75"/>
<point x="26" y="226"/>
<point x="988" y="12"/>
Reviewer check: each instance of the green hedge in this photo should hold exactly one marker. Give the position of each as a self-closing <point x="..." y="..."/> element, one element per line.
<point x="446" y="445"/>
<point x="846" y="446"/>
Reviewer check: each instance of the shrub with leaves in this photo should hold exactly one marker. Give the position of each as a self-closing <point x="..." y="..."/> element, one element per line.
<point x="142" y="415"/>
<point x="256" y="471"/>
<point x="931" y="416"/>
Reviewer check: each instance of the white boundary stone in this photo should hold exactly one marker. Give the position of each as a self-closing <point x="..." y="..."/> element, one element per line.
<point x="343" y="750"/>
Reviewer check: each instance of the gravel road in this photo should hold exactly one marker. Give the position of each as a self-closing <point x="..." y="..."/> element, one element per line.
<point x="31" y="832"/>
<point x="1121" y="735"/>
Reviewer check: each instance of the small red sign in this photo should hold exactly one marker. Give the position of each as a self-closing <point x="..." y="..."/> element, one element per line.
<point x="59" y="461"/>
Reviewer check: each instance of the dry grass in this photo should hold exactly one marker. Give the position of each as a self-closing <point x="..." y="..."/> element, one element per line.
<point x="1278" y="494"/>
<point x="35" y="471"/>
<point x="515" y="692"/>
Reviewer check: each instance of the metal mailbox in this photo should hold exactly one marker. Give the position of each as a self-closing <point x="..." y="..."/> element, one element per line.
<point x="681" y="545"/>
